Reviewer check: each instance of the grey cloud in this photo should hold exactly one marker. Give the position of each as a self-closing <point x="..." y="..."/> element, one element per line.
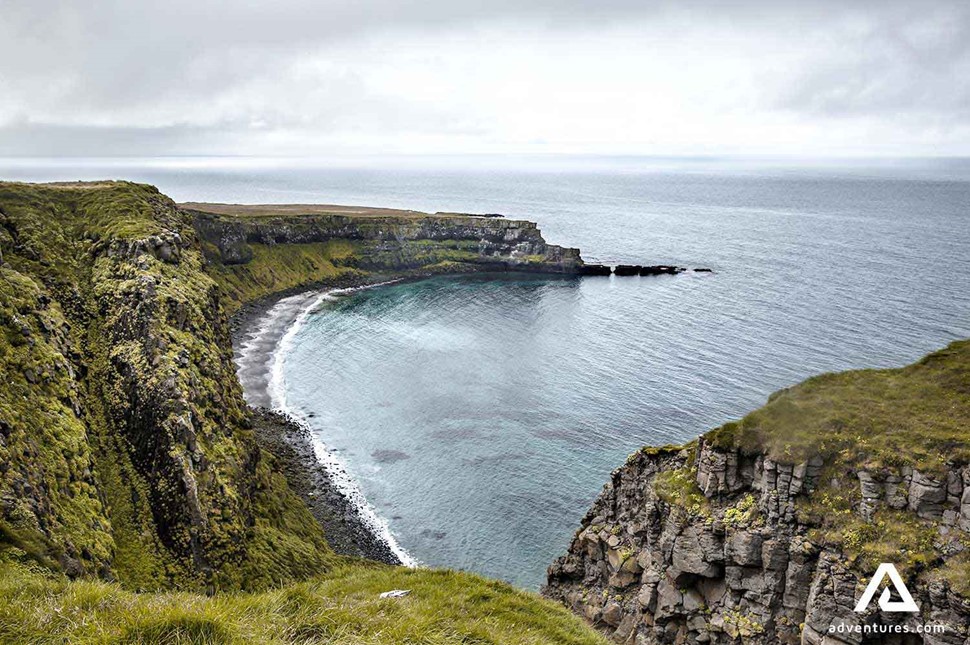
<point x="48" y="140"/>
<point x="914" y="62"/>
<point x="140" y="75"/>
<point x="337" y="104"/>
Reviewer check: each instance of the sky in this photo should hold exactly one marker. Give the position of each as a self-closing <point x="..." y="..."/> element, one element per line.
<point x="345" y="77"/>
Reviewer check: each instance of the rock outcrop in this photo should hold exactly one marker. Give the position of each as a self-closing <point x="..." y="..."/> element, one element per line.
<point x="401" y="241"/>
<point x="625" y="270"/>
<point x="126" y="448"/>
<point x="702" y="544"/>
<point x="596" y="269"/>
<point x="664" y="269"/>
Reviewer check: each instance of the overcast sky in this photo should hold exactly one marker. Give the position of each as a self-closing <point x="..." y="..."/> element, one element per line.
<point x="331" y="77"/>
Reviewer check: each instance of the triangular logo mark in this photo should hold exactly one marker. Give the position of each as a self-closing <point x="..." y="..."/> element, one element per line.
<point x="886" y="569"/>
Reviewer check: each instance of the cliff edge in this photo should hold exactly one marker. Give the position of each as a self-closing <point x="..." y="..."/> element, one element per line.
<point x="126" y="449"/>
<point x="255" y="251"/>
<point x="768" y="530"/>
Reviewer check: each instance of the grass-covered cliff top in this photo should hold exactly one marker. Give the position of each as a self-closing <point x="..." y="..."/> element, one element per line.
<point x="256" y="211"/>
<point x="91" y="210"/>
<point x="918" y="415"/>
<point x="262" y="250"/>
<point x="879" y="420"/>
<point x="342" y="607"/>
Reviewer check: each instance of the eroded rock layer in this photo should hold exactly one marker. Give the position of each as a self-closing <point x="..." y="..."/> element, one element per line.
<point x="723" y="541"/>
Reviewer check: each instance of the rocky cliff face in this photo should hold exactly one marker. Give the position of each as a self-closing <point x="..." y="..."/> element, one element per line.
<point x="126" y="449"/>
<point x="395" y="241"/>
<point x="714" y="543"/>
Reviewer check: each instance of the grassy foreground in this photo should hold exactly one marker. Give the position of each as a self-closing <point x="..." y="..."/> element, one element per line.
<point x="343" y="607"/>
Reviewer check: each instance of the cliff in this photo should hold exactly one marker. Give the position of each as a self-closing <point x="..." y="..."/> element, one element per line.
<point x="767" y="530"/>
<point x="128" y="455"/>
<point x="260" y="250"/>
<point x="127" y="450"/>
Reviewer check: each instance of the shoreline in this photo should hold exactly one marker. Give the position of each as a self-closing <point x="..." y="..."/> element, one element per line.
<point x="352" y="526"/>
<point x="243" y="333"/>
<point x="291" y="444"/>
<point x="321" y="479"/>
<point x="316" y="472"/>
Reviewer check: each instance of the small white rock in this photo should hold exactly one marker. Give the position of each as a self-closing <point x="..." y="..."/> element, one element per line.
<point x="395" y="593"/>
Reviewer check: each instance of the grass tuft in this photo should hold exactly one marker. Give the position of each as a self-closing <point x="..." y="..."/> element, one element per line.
<point x="342" y="607"/>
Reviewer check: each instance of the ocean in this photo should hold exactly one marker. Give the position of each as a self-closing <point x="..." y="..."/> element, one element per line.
<point x="479" y="416"/>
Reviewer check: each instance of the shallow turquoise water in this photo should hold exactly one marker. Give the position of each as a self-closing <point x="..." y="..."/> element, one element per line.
<point x="481" y="416"/>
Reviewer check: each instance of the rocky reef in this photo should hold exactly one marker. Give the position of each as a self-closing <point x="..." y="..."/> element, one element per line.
<point x="626" y="270"/>
<point x="767" y="530"/>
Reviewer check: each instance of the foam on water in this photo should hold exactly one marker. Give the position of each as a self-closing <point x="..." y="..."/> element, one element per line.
<point x="261" y="358"/>
<point x="256" y="353"/>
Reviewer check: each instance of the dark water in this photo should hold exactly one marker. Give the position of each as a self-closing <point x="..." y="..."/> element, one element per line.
<point x="481" y="416"/>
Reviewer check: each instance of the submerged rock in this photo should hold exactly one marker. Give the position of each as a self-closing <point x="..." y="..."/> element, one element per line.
<point x="389" y="456"/>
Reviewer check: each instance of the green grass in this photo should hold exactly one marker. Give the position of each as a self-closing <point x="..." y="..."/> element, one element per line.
<point x="44" y="446"/>
<point x="93" y="211"/>
<point x="280" y="267"/>
<point x="956" y="573"/>
<point x="341" y="608"/>
<point x="679" y="487"/>
<point x="917" y="416"/>
<point x="284" y="266"/>
<point x="743" y="513"/>
<point x="900" y="537"/>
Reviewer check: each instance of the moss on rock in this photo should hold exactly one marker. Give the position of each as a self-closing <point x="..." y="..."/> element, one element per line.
<point x="127" y="451"/>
